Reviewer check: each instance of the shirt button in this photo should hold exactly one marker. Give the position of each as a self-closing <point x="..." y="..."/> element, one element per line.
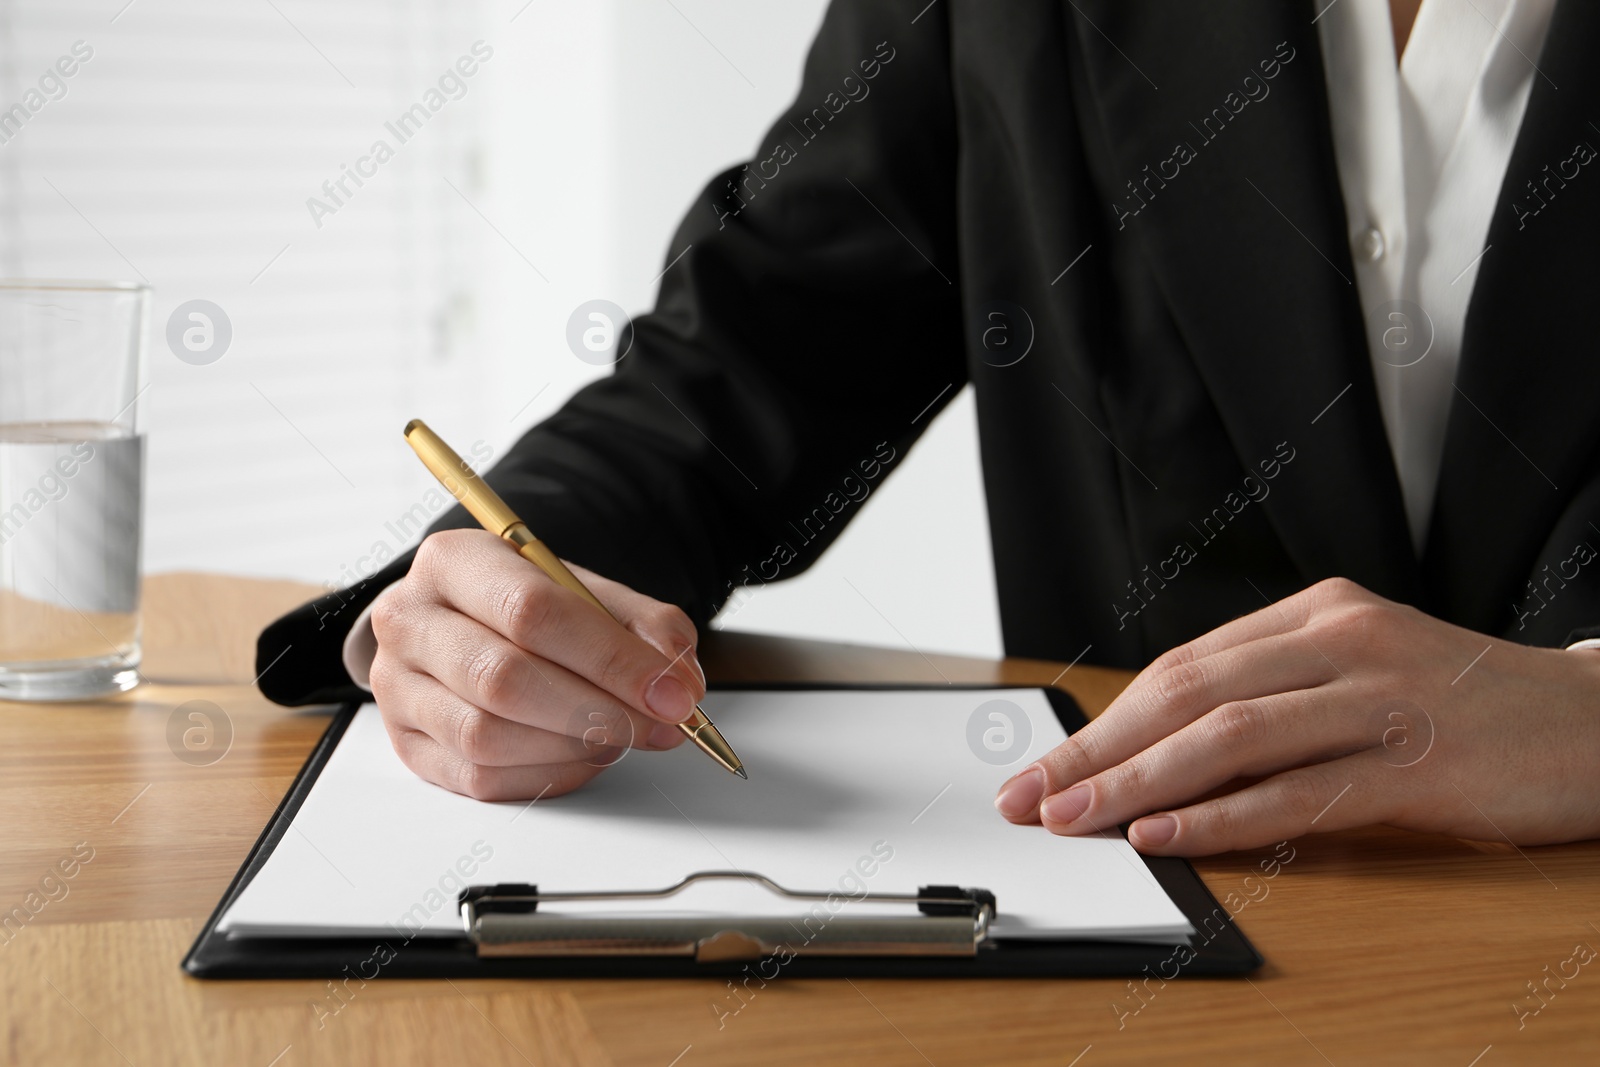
<point x="1369" y="246"/>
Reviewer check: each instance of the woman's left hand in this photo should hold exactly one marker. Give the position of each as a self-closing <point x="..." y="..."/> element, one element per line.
<point x="1353" y="710"/>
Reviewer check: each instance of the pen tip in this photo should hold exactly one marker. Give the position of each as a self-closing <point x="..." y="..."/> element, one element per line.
<point x="412" y="425"/>
<point x="740" y="772"/>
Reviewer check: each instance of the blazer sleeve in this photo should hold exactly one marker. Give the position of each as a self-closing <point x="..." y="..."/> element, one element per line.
<point x="806" y="331"/>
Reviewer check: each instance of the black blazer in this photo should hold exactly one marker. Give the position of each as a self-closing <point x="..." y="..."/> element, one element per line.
<point x="1120" y="224"/>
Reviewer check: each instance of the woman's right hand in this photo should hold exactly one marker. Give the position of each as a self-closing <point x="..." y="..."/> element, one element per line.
<point x="496" y="682"/>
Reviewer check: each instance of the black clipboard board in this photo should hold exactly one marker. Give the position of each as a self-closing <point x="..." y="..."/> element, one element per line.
<point x="1218" y="948"/>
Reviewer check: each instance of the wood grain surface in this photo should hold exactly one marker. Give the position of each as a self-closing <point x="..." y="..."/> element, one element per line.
<point x="1382" y="946"/>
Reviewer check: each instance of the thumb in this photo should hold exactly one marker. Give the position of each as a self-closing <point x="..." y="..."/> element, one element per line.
<point x="664" y="627"/>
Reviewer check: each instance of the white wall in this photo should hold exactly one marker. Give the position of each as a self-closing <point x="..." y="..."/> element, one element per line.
<point x="183" y="153"/>
<point x="189" y="145"/>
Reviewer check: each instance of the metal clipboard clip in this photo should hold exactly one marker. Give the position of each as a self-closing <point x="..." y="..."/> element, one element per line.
<point x="504" y="920"/>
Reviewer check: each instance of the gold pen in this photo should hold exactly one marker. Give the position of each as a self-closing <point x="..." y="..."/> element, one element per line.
<point x="487" y="507"/>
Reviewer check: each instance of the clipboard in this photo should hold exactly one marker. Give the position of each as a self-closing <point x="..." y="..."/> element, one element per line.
<point x="502" y="937"/>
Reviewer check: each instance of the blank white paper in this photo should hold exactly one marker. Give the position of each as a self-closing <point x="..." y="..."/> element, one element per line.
<point x="850" y="791"/>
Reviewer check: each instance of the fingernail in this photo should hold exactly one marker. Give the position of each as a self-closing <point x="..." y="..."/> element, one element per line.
<point x="694" y="661"/>
<point x="669" y="699"/>
<point x="1156" y="830"/>
<point x="1020" y="795"/>
<point x="1066" y="807"/>
<point x="664" y="735"/>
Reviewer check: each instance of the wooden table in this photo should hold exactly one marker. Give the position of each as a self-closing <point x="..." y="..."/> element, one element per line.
<point x="1382" y="947"/>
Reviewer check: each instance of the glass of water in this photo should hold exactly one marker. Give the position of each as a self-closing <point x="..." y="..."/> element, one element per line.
<point x="71" y="487"/>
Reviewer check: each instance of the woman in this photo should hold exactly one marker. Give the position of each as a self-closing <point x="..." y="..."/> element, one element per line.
<point x="1283" y="383"/>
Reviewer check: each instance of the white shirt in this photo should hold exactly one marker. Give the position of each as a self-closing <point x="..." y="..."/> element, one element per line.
<point x="1422" y="151"/>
